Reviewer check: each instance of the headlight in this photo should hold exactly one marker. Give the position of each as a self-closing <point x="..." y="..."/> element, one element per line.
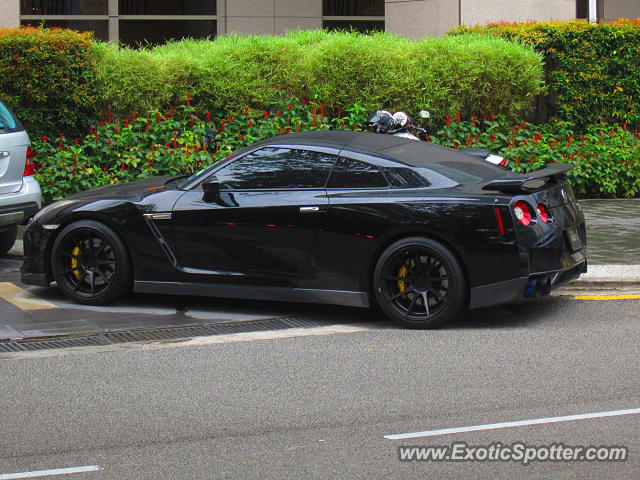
<point x="50" y="208"/>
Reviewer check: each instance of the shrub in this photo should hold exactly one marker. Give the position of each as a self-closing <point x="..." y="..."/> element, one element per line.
<point x="184" y="139"/>
<point x="592" y="71"/>
<point x="180" y="140"/>
<point x="475" y="73"/>
<point x="48" y="77"/>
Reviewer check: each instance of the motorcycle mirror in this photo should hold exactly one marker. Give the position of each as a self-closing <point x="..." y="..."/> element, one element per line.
<point x="424" y="114"/>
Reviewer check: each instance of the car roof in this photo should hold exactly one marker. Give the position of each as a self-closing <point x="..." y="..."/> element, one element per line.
<point x="407" y="151"/>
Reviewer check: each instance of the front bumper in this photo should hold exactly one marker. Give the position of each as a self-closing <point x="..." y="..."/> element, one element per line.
<point x="37" y="242"/>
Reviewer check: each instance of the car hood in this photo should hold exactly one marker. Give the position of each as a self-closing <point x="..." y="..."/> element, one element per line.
<point x="134" y="191"/>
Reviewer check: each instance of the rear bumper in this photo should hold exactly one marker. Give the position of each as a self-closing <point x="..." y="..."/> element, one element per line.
<point x="533" y="285"/>
<point x="17" y="208"/>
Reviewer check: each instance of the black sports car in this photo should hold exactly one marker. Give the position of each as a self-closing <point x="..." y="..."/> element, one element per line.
<point x="346" y="218"/>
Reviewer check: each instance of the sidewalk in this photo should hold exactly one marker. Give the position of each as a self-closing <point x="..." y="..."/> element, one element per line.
<point x="613" y="248"/>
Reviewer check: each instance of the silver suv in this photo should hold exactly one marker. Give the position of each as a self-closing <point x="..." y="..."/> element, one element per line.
<point x="20" y="196"/>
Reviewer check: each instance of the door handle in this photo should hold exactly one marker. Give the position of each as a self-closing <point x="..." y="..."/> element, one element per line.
<point x="309" y="209"/>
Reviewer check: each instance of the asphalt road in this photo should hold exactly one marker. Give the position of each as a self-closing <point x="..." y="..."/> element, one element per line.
<point x="317" y="403"/>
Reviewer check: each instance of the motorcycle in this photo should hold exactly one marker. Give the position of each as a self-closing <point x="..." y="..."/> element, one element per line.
<point x="400" y="124"/>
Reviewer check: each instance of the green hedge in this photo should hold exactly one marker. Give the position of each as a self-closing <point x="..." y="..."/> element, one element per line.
<point x="444" y="75"/>
<point x="48" y="77"/>
<point x="592" y="71"/>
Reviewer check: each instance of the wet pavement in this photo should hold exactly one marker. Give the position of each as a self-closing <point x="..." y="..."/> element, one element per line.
<point x="613" y="231"/>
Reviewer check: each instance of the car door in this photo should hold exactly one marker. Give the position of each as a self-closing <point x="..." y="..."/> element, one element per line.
<point x="261" y="225"/>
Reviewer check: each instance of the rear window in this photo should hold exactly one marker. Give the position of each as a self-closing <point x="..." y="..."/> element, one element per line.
<point x="8" y="123"/>
<point x="445" y="167"/>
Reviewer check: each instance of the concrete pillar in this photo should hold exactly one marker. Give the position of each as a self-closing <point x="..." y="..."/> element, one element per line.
<point x="476" y="12"/>
<point x="268" y="16"/>
<point x="9" y="13"/>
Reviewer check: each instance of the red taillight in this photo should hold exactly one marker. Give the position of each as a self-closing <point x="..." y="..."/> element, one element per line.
<point x="542" y="213"/>
<point x="503" y="163"/>
<point x="523" y="214"/>
<point x="29" y="166"/>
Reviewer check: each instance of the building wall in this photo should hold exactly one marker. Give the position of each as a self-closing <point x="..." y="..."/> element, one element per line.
<point x="480" y="12"/>
<point x="268" y="16"/>
<point x="9" y="13"/>
<point x="614" y="9"/>
<point x="420" y="18"/>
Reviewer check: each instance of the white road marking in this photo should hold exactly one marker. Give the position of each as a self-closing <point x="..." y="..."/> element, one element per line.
<point x="517" y="423"/>
<point x="264" y="335"/>
<point x="46" y="473"/>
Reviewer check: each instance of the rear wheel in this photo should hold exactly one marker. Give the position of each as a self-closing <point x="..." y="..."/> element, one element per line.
<point x="90" y="263"/>
<point x="8" y="238"/>
<point x="419" y="283"/>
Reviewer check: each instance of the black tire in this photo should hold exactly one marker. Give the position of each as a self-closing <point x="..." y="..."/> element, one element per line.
<point x="419" y="283"/>
<point x="90" y="263"/>
<point x="8" y="238"/>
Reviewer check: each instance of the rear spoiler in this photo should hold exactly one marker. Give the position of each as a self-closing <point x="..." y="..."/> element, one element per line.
<point x="516" y="182"/>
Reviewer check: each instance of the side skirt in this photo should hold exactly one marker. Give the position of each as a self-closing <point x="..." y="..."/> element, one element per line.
<point x="303" y="295"/>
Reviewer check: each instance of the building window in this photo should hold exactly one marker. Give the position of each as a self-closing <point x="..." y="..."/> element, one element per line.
<point x="582" y="8"/>
<point x="98" y="27"/>
<point x="167" y="7"/>
<point x="360" y="15"/>
<point x="153" y="32"/>
<point x="133" y="22"/>
<point x="57" y="7"/>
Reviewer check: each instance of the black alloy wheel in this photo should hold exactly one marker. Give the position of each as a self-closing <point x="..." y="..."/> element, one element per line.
<point x="419" y="283"/>
<point x="90" y="263"/>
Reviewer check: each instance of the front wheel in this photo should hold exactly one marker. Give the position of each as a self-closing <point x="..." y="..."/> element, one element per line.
<point x="90" y="263"/>
<point x="419" y="283"/>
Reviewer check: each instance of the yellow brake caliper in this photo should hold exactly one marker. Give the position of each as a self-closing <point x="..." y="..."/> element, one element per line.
<point x="74" y="262"/>
<point x="403" y="272"/>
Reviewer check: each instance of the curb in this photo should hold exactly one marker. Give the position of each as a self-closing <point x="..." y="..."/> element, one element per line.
<point x="609" y="276"/>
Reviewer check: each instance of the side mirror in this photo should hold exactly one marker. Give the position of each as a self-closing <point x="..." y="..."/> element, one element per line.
<point x="211" y="185"/>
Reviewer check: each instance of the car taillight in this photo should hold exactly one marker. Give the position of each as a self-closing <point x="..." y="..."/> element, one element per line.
<point x="523" y="214"/>
<point x="29" y="166"/>
<point x="542" y="213"/>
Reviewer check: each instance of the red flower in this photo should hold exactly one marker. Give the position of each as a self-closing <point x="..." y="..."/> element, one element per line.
<point x="493" y="137"/>
<point x="101" y="123"/>
<point x="447" y="120"/>
<point x="167" y="145"/>
<point x="475" y="122"/>
<point x="208" y="116"/>
<point x="134" y="117"/>
<point x="428" y="138"/>
<point x="122" y="167"/>
<point x="188" y="100"/>
<point x="242" y="138"/>
<point x="290" y="107"/>
<point x="250" y="123"/>
<point x="222" y="125"/>
<point x="288" y="131"/>
<point x="266" y="115"/>
<point x="104" y="169"/>
<point x="126" y="123"/>
<point x="524" y="123"/>
<point x="303" y="101"/>
<point x="44" y="139"/>
<point x="280" y="130"/>
<point x="459" y="117"/>
<point x="246" y="110"/>
<point x="279" y="114"/>
<point x="231" y="118"/>
<point x="280" y="88"/>
<point x="635" y="136"/>
<point x="110" y="142"/>
<point x="517" y="127"/>
<point x="171" y="110"/>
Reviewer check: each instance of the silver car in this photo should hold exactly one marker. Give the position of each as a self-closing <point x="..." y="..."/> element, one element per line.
<point x="20" y="196"/>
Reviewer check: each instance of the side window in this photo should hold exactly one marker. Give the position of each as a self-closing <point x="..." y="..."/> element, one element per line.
<point x="271" y="168"/>
<point x="350" y="173"/>
<point x="403" y="177"/>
